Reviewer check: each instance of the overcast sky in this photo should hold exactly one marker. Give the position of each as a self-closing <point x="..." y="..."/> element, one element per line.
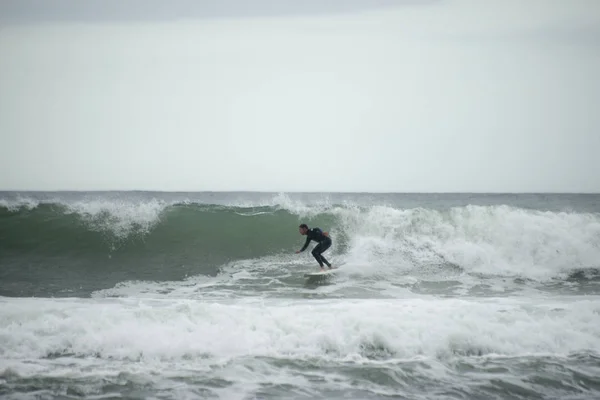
<point x="395" y="96"/>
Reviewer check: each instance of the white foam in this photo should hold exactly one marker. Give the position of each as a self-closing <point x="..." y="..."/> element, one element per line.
<point x="240" y="278"/>
<point x="167" y="330"/>
<point x="318" y="205"/>
<point x="493" y="240"/>
<point x="19" y="202"/>
<point x="120" y="217"/>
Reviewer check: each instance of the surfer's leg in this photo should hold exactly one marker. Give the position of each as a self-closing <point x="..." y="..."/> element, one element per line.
<point x="316" y="252"/>
<point x="324" y="246"/>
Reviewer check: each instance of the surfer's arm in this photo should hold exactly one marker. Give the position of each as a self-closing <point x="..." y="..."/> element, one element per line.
<point x="305" y="245"/>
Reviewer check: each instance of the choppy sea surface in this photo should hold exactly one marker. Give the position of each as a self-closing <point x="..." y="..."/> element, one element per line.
<point x="200" y="295"/>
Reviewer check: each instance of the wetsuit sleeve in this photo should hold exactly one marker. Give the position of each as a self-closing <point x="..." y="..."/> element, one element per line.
<point x="305" y="243"/>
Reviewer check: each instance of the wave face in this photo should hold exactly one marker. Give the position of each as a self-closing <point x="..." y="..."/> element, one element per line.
<point x="62" y="240"/>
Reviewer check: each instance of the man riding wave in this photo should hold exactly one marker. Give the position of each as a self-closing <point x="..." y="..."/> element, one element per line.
<point x="323" y="240"/>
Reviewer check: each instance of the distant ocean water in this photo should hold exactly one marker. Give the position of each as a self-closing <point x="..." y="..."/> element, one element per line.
<point x="200" y="295"/>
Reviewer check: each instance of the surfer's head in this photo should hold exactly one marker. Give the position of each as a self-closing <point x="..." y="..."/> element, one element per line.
<point x="303" y="229"/>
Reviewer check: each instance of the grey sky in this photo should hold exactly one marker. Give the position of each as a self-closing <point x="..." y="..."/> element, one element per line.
<point x="157" y="10"/>
<point x="444" y="96"/>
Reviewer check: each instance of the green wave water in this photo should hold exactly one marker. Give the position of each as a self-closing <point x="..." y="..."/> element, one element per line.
<point x="95" y="243"/>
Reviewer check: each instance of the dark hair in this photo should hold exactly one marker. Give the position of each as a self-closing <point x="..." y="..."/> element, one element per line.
<point x="303" y="226"/>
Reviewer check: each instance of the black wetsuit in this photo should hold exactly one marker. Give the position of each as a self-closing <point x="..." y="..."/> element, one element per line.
<point x="324" y="242"/>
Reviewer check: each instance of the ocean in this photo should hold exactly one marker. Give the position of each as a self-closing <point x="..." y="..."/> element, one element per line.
<point x="152" y="295"/>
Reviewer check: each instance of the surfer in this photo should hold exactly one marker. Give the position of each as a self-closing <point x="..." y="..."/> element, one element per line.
<point x="323" y="240"/>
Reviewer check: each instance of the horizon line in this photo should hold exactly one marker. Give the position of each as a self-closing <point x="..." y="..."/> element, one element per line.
<point x="284" y="191"/>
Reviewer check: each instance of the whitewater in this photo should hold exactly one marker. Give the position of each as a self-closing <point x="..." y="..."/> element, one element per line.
<point x="201" y="295"/>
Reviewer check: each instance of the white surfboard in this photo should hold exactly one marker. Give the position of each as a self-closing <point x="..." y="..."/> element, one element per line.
<point x="321" y="273"/>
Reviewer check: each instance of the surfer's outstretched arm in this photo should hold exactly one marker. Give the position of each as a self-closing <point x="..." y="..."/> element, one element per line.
<point x="305" y="245"/>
